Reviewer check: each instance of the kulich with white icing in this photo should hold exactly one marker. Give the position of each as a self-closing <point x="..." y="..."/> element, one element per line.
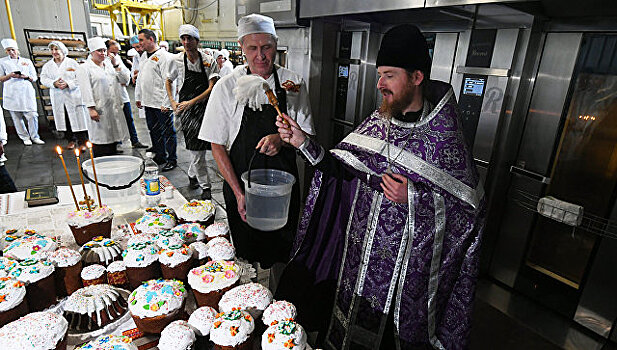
<point x="109" y="342"/>
<point x="279" y="310"/>
<point x="286" y="334"/>
<point x="200" y="250"/>
<point x="175" y="255"/>
<point x="30" y="247"/>
<point x="157" y="297"/>
<point x="232" y="328"/>
<point x="93" y="272"/>
<point x="178" y="335"/>
<point x="190" y="232"/>
<point x="217" y="229"/>
<point x="35" y="331"/>
<point x="12" y="293"/>
<point x="219" y="248"/>
<point x="250" y="296"/>
<point x="141" y="238"/>
<point x="116" y="266"/>
<point x="100" y="250"/>
<point x="153" y="223"/>
<point x="214" y="276"/>
<point x="201" y="320"/>
<point x="140" y="254"/>
<point x="11" y="235"/>
<point x="64" y="257"/>
<point x="166" y="238"/>
<point x="161" y="209"/>
<point x="85" y="306"/>
<point x="196" y="210"/>
<point x="32" y="270"/>
<point x="85" y="217"/>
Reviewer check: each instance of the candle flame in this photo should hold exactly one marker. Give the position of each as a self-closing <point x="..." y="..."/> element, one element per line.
<point x="77" y="152"/>
<point x="59" y="150"/>
<point x="88" y="144"/>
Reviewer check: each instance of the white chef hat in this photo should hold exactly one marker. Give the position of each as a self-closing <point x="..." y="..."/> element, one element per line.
<point x="225" y="53"/>
<point x="9" y="43"/>
<point x="131" y="53"/>
<point x="209" y="51"/>
<point x="96" y="43"/>
<point x="255" y="23"/>
<point x="60" y="45"/>
<point x="187" y="29"/>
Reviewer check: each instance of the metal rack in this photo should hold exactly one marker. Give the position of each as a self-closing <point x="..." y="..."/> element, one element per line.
<point x="37" y="41"/>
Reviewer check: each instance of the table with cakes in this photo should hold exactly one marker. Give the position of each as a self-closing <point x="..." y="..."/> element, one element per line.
<point x="79" y="276"/>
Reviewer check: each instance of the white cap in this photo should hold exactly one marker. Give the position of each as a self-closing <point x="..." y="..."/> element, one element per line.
<point x="225" y="53"/>
<point x="209" y="51"/>
<point x="96" y="43"/>
<point x="9" y="43"/>
<point x="254" y="23"/>
<point x="164" y="44"/>
<point x="60" y="46"/>
<point x="131" y="53"/>
<point x="187" y="29"/>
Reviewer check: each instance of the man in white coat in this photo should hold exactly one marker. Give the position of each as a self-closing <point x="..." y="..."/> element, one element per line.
<point x="150" y="93"/>
<point x="222" y="61"/>
<point x="99" y="79"/>
<point x="18" y="95"/>
<point x="134" y="41"/>
<point x="60" y="75"/>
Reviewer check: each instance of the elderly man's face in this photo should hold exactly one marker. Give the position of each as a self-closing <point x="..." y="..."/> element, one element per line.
<point x="12" y="52"/>
<point x="190" y="43"/>
<point x="260" y="51"/>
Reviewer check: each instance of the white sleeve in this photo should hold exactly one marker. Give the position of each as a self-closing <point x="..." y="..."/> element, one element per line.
<point x="215" y="125"/>
<point x="46" y="78"/>
<point x="31" y="71"/>
<point x="138" y="87"/>
<point x="72" y="83"/>
<point x="123" y="75"/>
<point x="303" y="116"/>
<point x="83" y="77"/>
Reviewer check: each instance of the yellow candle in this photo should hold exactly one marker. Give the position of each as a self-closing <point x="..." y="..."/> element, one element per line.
<point x="59" y="151"/>
<point x="96" y="180"/>
<point x="81" y="176"/>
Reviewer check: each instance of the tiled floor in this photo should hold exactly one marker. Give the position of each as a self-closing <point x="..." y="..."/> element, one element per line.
<point x="492" y="327"/>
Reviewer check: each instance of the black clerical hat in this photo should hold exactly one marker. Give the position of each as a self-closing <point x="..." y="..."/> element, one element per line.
<point x="404" y="46"/>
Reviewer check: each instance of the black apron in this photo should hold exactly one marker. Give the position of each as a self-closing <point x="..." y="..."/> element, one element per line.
<point x="254" y="245"/>
<point x="195" y="83"/>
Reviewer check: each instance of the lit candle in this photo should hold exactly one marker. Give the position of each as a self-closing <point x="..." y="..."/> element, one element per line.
<point x="81" y="176"/>
<point x="59" y="151"/>
<point x="96" y="180"/>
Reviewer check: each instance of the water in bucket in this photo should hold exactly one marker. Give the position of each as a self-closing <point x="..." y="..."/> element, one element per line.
<point x="267" y="200"/>
<point x="114" y="172"/>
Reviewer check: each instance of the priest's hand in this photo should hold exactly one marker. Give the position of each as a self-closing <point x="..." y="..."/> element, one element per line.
<point x="395" y="187"/>
<point x="270" y="145"/>
<point x="290" y="131"/>
<point x="241" y="206"/>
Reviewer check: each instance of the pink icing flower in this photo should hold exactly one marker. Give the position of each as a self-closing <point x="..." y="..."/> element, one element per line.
<point x="208" y="278"/>
<point x="36" y="248"/>
<point x="230" y="274"/>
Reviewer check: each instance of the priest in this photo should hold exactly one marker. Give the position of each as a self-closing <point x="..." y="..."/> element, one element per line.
<point x="387" y="250"/>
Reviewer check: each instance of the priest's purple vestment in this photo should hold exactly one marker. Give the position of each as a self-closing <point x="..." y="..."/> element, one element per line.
<point x="359" y="256"/>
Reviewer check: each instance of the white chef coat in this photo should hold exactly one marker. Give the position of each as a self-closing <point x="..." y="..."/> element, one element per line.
<point x="69" y="98"/>
<point x="100" y="88"/>
<point x="18" y="94"/>
<point x="226" y="69"/>
<point x="175" y="70"/>
<point x="150" y="87"/>
<point x="223" y="114"/>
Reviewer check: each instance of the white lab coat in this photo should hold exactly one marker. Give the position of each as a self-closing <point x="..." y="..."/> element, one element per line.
<point x="69" y="98"/>
<point x="150" y="87"/>
<point x="18" y="94"/>
<point x="100" y="88"/>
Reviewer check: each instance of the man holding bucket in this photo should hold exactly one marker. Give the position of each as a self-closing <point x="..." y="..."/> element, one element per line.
<point x="237" y="132"/>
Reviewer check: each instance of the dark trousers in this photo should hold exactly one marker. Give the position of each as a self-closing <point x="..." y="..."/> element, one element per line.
<point x="6" y="183"/>
<point x="104" y="149"/>
<point x="74" y="136"/>
<point x="128" y="115"/>
<point x="162" y="134"/>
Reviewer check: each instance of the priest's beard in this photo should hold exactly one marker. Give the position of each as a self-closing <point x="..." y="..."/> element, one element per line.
<point x="399" y="103"/>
